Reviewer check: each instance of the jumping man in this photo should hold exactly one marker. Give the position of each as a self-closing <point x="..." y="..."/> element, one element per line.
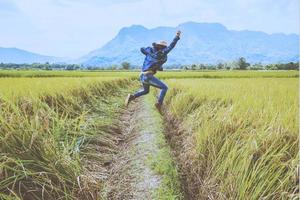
<point x="156" y="56"/>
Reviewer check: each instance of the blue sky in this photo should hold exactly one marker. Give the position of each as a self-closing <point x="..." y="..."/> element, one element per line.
<point x="72" y="28"/>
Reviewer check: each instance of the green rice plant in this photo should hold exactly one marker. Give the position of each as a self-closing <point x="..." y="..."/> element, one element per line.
<point x="240" y="138"/>
<point x="63" y="73"/>
<point x="44" y="137"/>
<point x="13" y="88"/>
<point x="165" y="74"/>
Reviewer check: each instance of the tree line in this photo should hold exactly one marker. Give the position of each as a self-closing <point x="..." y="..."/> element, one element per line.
<point x="41" y="66"/>
<point x="239" y="64"/>
<point x="242" y="64"/>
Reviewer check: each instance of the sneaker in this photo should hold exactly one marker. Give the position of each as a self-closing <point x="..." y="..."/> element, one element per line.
<point x="158" y="107"/>
<point x="129" y="98"/>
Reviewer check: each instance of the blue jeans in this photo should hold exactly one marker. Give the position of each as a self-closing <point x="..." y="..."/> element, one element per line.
<point x="150" y="80"/>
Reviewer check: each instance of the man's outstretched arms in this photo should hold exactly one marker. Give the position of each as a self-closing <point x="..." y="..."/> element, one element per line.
<point x="173" y="43"/>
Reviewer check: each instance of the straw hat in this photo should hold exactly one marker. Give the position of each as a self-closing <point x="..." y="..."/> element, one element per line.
<point x="161" y="43"/>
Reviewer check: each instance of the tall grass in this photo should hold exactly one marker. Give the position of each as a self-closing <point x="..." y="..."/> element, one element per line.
<point x="238" y="137"/>
<point x="13" y="88"/>
<point x="228" y="74"/>
<point x="63" y="73"/>
<point x="44" y="138"/>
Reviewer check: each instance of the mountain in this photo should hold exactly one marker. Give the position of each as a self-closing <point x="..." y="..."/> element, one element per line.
<point x="19" y="56"/>
<point x="200" y="43"/>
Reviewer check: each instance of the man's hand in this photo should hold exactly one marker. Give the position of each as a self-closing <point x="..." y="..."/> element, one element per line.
<point x="178" y="33"/>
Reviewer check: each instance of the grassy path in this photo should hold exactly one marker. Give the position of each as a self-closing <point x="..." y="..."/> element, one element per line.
<point x="143" y="168"/>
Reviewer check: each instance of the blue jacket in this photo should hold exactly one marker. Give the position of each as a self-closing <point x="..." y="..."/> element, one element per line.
<point x="155" y="59"/>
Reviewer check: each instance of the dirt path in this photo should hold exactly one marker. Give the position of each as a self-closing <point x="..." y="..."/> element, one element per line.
<point x="130" y="175"/>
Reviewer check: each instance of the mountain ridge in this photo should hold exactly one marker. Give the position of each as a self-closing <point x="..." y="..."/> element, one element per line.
<point x="20" y="56"/>
<point x="200" y="43"/>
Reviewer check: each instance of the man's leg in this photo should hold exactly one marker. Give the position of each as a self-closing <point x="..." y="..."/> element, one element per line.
<point x="143" y="91"/>
<point x="130" y="97"/>
<point x="161" y="85"/>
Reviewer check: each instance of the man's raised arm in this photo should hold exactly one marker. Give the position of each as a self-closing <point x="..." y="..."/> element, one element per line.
<point x="173" y="43"/>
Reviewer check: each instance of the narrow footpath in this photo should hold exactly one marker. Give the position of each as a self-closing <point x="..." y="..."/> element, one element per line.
<point x="131" y="172"/>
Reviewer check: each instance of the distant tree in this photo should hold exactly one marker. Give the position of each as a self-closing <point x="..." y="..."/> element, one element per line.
<point x="269" y="67"/>
<point x="257" y="66"/>
<point x="220" y="65"/>
<point x="114" y="67"/>
<point x="242" y="64"/>
<point x="47" y="66"/>
<point x="186" y="67"/>
<point x="125" y="65"/>
<point x="227" y="66"/>
<point x="283" y="66"/>
<point x="202" y="66"/>
<point x="212" y="67"/>
<point x="193" y="67"/>
<point x="72" y="67"/>
<point x="291" y="66"/>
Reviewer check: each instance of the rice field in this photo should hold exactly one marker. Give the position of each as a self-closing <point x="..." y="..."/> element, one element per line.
<point x="164" y="74"/>
<point x="47" y="127"/>
<point x="241" y="136"/>
<point x="237" y="131"/>
<point x="13" y="88"/>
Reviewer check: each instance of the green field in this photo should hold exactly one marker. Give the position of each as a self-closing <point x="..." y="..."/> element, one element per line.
<point x="242" y="135"/>
<point x="237" y="131"/>
<point x="166" y="74"/>
<point x="12" y="88"/>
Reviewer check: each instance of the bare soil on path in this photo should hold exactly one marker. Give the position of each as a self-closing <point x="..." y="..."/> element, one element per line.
<point x="130" y="175"/>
